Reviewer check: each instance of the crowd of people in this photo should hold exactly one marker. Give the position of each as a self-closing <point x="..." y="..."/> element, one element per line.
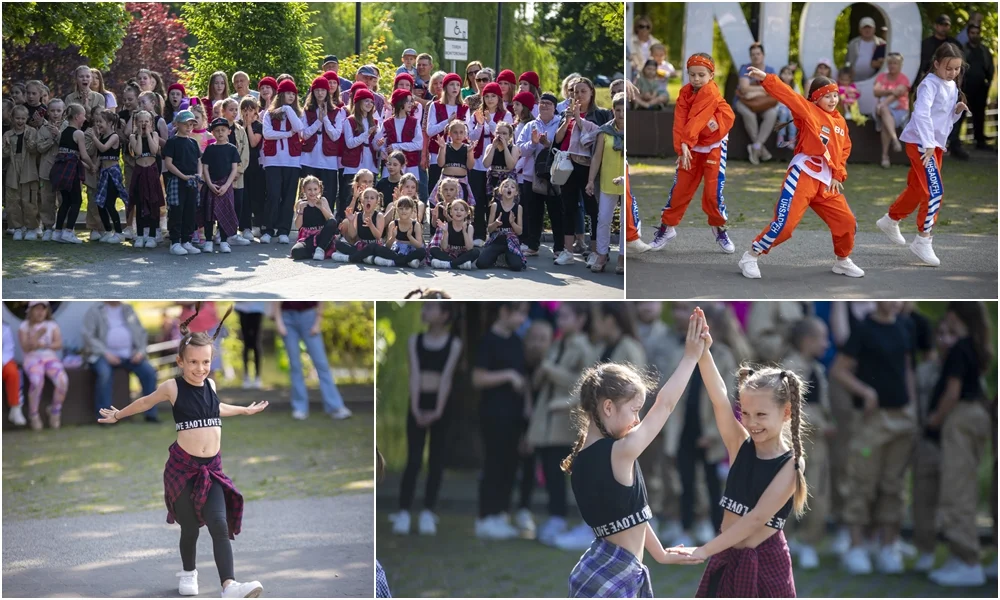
<point x="114" y="339"/>
<point x="884" y="396"/>
<point x="404" y="177"/>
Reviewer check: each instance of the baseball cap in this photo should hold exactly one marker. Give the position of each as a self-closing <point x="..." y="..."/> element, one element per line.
<point x="184" y="115"/>
<point x="866" y="22"/>
<point x="943" y="20"/>
<point x="329" y="58"/>
<point x="218" y="122"/>
<point x="409" y="52"/>
<point x="35" y="303"/>
<point x="368" y="71"/>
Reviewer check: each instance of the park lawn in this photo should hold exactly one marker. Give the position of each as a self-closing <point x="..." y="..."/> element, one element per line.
<point x="970" y="201"/>
<point x="106" y="469"/>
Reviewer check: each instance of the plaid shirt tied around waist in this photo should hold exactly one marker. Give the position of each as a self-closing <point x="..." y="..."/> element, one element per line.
<point x="761" y="572"/>
<point x="607" y="570"/>
<point x="181" y="467"/>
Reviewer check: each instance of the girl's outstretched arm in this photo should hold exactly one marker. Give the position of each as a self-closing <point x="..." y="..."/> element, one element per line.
<point x="231" y="410"/>
<point x="165" y="392"/>
<point x="733" y="432"/>
<point x="677" y="555"/>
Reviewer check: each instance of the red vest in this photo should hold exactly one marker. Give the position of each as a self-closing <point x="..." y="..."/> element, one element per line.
<point x="294" y="143"/>
<point x="407" y="135"/>
<point x="330" y="147"/>
<point x="441" y="112"/>
<point x="352" y="156"/>
<point x="480" y="146"/>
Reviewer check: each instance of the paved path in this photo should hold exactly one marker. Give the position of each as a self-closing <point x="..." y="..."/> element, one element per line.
<point x="314" y="547"/>
<point x="261" y="272"/>
<point x="692" y="266"/>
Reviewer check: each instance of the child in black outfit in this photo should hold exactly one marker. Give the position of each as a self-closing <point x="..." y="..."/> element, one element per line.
<point x="220" y="166"/>
<point x="182" y="159"/>
<point x="315" y="221"/>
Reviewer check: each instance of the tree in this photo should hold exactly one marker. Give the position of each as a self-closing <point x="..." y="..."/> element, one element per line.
<point x="594" y="49"/>
<point x="260" y="38"/>
<point x="95" y="29"/>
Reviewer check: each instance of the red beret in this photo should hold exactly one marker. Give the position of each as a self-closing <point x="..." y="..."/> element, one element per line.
<point x="358" y="85"/>
<point x="525" y="98"/>
<point x="404" y="76"/>
<point x="398" y="96"/>
<point x="507" y="75"/>
<point x="320" y="82"/>
<point x="287" y="86"/>
<point x="363" y="93"/>
<point x="529" y="76"/>
<point x="267" y="81"/>
<point x="451" y="77"/>
<point x="331" y="77"/>
<point x="492" y="88"/>
<point x="177" y="86"/>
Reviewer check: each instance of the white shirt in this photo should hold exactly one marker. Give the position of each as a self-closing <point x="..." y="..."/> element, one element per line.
<point x="46" y="338"/>
<point x="414" y="145"/>
<point x="863" y="67"/>
<point x="119" y="340"/>
<point x="352" y="141"/>
<point x="8" y="344"/>
<point x="486" y="131"/>
<point x="436" y="128"/>
<point x="933" y="113"/>
<point x="323" y="127"/>
<point x="291" y="125"/>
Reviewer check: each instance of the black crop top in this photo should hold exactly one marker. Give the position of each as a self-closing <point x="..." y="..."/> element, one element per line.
<point x="66" y="140"/>
<point x="313" y="217"/>
<point x="195" y="407"/>
<point x="432" y="361"/>
<point x="456" y="237"/>
<point x="365" y="232"/>
<point x="456" y="158"/>
<point x="110" y="153"/>
<point x="145" y="147"/>
<point x="504" y="216"/>
<point x="401" y="236"/>
<point x="748" y="477"/>
<point x="606" y="505"/>
<point x="499" y="160"/>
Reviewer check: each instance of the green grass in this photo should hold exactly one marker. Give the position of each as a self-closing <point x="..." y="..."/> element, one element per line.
<point x="970" y="201"/>
<point x="119" y="468"/>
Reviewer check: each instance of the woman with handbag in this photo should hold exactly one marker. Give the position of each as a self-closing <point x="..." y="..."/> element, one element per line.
<point x="536" y="141"/>
<point x="758" y="110"/>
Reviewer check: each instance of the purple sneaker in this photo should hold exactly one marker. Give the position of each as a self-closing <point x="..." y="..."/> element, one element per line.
<point x="722" y="238"/>
<point x="664" y="234"/>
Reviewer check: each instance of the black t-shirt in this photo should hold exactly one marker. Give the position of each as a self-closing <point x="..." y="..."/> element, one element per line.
<point x="185" y="153"/>
<point x="961" y="363"/>
<point x="881" y="353"/>
<point x="498" y="354"/>
<point x="220" y="159"/>
<point x="386" y="187"/>
<point x="255" y="150"/>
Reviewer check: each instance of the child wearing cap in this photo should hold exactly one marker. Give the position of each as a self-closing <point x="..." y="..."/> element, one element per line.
<point x="402" y="131"/>
<point x="409" y="63"/>
<point x="482" y="129"/>
<point x="219" y="167"/>
<point x="446" y="107"/>
<point x="282" y="155"/>
<point x="182" y="160"/>
<point x="322" y="132"/>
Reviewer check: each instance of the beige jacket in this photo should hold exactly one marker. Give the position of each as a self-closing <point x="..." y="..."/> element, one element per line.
<point x="48" y="147"/>
<point x="818" y="415"/>
<point x="628" y="350"/>
<point x="768" y="326"/>
<point x="716" y="450"/>
<point x="94" y="99"/>
<point x="23" y="167"/>
<point x="551" y="421"/>
<point x="243" y="147"/>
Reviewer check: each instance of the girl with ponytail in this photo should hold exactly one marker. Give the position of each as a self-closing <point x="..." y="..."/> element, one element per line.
<point x="766" y="481"/>
<point x="607" y="481"/>
<point x="196" y="490"/>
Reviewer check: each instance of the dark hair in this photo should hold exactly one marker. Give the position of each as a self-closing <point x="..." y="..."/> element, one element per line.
<point x="200" y="338"/>
<point x="787" y="388"/>
<point x="582" y="309"/>
<point x="508" y="305"/>
<point x="756" y="45"/>
<point x="111" y="117"/>
<point x="211" y="80"/>
<point x="945" y="51"/>
<point x="606" y="381"/>
<point x="398" y="156"/>
<point x="405" y="202"/>
<point x="973" y="316"/>
<point x="802" y="329"/>
<point x="622" y="313"/>
<point x="428" y="294"/>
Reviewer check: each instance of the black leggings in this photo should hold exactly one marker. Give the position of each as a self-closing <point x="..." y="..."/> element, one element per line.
<point x="242" y="206"/>
<point x="305" y="249"/>
<point x="181" y="218"/>
<point x="250" y="327"/>
<point x="467" y="256"/>
<point x="415" y="438"/>
<point x="433" y="175"/>
<point x="555" y="479"/>
<point x="214" y="514"/>
<point x="572" y="191"/>
<point x="500" y="459"/>
<point x="534" y="218"/>
<point x="255" y="197"/>
<point x="354" y="253"/>
<point x="688" y="455"/>
<point x="69" y="210"/>
<point x="282" y="190"/>
<point x="491" y="252"/>
<point x="401" y="260"/>
<point x="481" y="212"/>
<point x="344" y="194"/>
<point x="109" y="214"/>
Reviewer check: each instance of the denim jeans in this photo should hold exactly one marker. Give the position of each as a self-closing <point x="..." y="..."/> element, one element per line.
<point x="422" y="190"/>
<point x="104" y="372"/>
<point x="298" y="323"/>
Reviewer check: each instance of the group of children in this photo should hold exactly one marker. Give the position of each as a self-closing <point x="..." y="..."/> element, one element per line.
<point x="817" y="174"/>
<point x="229" y="170"/>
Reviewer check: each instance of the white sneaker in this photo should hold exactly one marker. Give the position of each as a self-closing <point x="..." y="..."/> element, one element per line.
<point x="95" y="235"/>
<point x="808" y="558"/>
<point x="338" y="257"/>
<point x="551" y="529"/>
<point x="748" y="266"/>
<point x="891" y="229"/>
<point x="177" y="250"/>
<point x="106" y="238"/>
<point x="847" y="267"/>
<point x="579" y="538"/>
<point x="69" y="237"/>
<point x="427" y="524"/>
<point x="30" y="236"/>
<point x="765" y="154"/>
<point x="495" y="527"/>
<point x="925" y="563"/>
<point x="238" y="240"/>
<point x="525" y="523"/>
<point x="369" y="260"/>
<point x="467" y="266"/>
<point x="664" y="233"/>
<point x="341" y="413"/>
<point x="208" y="248"/>
<point x="753" y="156"/>
<point x="225" y="248"/>
<point x="128" y="233"/>
<point x="591" y="259"/>
<point x="440" y="264"/>
<point x="139" y="242"/>
<point x="922" y="247"/>
<point x="216" y="237"/>
<point x="841" y="542"/>
<point x="114" y="238"/>
<point x="959" y="574"/>
<point x="299" y="415"/>
<point x="18" y="235"/>
<point x="47" y="235"/>
<point x="524" y="248"/>
<point x="637" y="246"/>
<point x="247" y="382"/>
<point x="16" y="416"/>
<point x="383" y="262"/>
<point x="258" y="384"/>
<point x="188" y="584"/>
<point x="247" y="235"/>
<point x="400" y="522"/>
<point x="905" y="548"/>
<point x="250" y="589"/>
<point x="265" y="239"/>
<point x="190" y="248"/>
<point x="889" y="560"/>
<point x="283" y="239"/>
<point x="319" y="254"/>
<point x="254" y="232"/>
<point x="414" y="264"/>
<point x="703" y="532"/>
<point x="477" y="243"/>
<point x="565" y="258"/>
<point x="722" y="239"/>
<point x="151" y="242"/>
<point x="857" y="561"/>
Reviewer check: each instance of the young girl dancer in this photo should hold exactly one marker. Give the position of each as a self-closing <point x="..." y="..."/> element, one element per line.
<point x="821" y="153"/>
<point x="110" y="184"/>
<point x="366" y="227"/>
<point x="408" y="185"/>
<point x="702" y="120"/>
<point x="405" y="244"/>
<point x="145" y="192"/>
<point x="454" y="248"/>
<point x="196" y="490"/>
<point x="441" y="112"/>
<point x="21" y="178"/>
<point x="315" y="221"/>
<point x="387" y="184"/>
<point x="766" y="481"/>
<point x="433" y="356"/>
<point x="41" y="341"/>
<point x="455" y="159"/>
<point x="505" y="224"/>
<point x="68" y="173"/>
<point x="500" y="158"/>
<point x="321" y="135"/>
<point x="281" y="153"/>
<point x="938" y="105"/>
<point x="483" y="128"/>
<point x="402" y="131"/>
<point x="607" y="480"/>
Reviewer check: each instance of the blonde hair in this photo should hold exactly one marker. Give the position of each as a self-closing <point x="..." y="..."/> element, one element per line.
<point x="307" y="180"/>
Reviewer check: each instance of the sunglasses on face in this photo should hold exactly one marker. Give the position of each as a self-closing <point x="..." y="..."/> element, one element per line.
<point x="472" y="73"/>
<point x="643" y="26"/>
<point x="483" y="79"/>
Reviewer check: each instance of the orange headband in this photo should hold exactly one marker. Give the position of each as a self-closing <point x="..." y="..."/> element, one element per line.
<point x="826" y="89"/>
<point x="701" y="61"/>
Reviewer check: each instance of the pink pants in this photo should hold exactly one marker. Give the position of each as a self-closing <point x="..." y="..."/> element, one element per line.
<point x="40" y="365"/>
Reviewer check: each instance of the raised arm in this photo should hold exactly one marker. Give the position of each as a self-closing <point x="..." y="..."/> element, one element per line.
<point x="732" y="431"/>
<point x="779" y="90"/>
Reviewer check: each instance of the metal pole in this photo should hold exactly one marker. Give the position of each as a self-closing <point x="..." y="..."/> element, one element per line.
<point x="357" y="28"/>
<point x="499" y="32"/>
<point x="452" y="66"/>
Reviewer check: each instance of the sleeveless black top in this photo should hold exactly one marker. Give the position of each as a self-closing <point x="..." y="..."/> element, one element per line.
<point x="748" y="477"/>
<point x="401" y="236"/>
<point x="195" y="407"/>
<point x="456" y="237"/>
<point x="499" y="161"/>
<point x="456" y="158"/>
<point x="144" y="141"/>
<point x="432" y="361"/>
<point x="110" y="153"/>
<point x="504" y="216"/>
<point x="606" y="505"/>
<point x="365" y="233"/>
<point x="312" y="217"/>
<point x="66" y="139"/>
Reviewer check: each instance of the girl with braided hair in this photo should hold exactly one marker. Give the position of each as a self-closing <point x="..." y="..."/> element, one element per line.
<point x="766" y="481"/>
<point x="607" y="480"/>
<point x="196" y="490"/>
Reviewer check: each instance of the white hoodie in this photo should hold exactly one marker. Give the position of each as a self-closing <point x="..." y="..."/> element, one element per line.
<point x="933" y="113"/>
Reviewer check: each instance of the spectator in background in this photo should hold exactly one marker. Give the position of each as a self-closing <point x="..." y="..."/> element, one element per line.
<point x="976" y="19"/>
<point x="251" y="316"/>
<point x="641" y="43"/>
<point x="652" y="89"/>
<point x="658" y="53"/>
<point x="758" y="110"/>
<point x="942" y="28"/>
<point x="567" y="89"/>
<point x="409" y="65"/>
<point x="787" y="133"/>
<point x="472" y="84"/>
<point x="113" y="338"/>
<point x="824" y="68"/>
<point x="892" y="90"/>
<point x="861" y="51"/>
<point x="330" y="63"/>
<point x="97" y="84"/>
<point x="425" y="68"/>
<point x="368" y="75"/>
<point x="769" y="325"/>
<point x="977" y="81"/>
<point x="41" y="343"/>
<point x="241" y="86"/>
<point x="301" y="322"/>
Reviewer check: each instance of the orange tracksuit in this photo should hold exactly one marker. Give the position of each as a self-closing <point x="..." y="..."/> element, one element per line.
<point x="632" y="223"/>
<point x="693" y="115"/>
<point x="923" y="189"/>
<point x="821" y="152"/>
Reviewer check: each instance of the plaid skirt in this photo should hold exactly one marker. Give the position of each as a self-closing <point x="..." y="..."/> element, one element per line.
<point x="465" y="191"/>
<point x="67" y="171"/>
<point x="107" y="177"/>
<point x="609" y="571"/>
<point x="761" y="572"/>
<point x="181" y="467"/>
<point x="145" y="192"/>
<point x="513" y="242"/>
<point x="218" y="208"/>
<point x="307" y="233"/>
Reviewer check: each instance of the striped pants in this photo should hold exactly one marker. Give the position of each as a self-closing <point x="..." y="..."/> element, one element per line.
<point x="798" y="194"/>
<point x="710" y="167"/>
<point x="633" y="224"/>
<point x="924" y="190"/>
